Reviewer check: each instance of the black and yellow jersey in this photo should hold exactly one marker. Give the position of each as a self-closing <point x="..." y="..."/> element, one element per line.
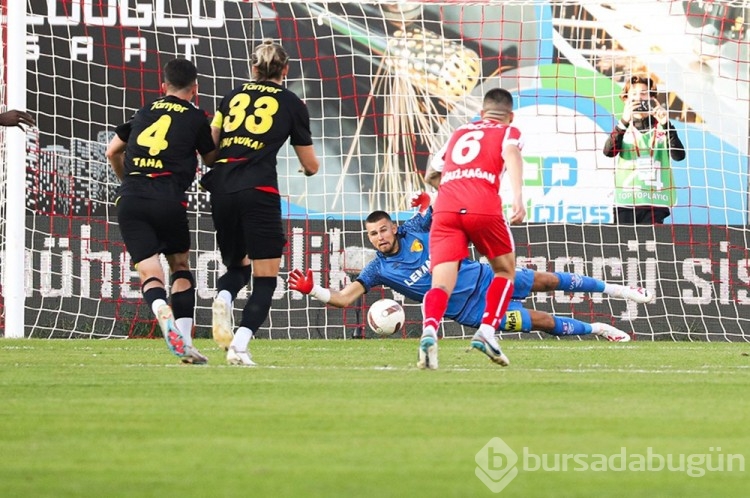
<point x="255" y="119"/>
<point x="162" y="139"/>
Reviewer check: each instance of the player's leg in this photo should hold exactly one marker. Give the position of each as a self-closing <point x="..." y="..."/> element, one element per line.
<point x="492" y="238"/>
<point x="265" y="241"/>
<point x="448" y="246"/>
<point x="433" y="310"/>
<point x="520" y="319"/>
<point x="229" y="238"/>
<point x="139" y="221"/>
<point x="574" y="282"/>
<point x="182" y="300"/>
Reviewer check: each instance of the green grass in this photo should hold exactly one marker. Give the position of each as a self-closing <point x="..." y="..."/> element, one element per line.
<point x="356" y="418"/>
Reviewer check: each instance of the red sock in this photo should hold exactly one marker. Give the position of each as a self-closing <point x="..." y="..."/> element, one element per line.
<point x="497" y="300"/>
<point x="435" y="304"/>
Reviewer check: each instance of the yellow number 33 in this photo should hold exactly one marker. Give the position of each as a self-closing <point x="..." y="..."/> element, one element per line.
<point x="261" y="119"/>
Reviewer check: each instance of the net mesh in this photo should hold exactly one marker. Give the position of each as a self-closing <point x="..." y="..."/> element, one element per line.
<point x="385" y="83"/>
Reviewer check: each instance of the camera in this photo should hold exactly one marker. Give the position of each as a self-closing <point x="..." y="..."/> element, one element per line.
<point x="643" y="106"/>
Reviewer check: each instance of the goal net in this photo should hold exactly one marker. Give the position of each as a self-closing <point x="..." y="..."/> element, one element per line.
<point x="385" y="83"/>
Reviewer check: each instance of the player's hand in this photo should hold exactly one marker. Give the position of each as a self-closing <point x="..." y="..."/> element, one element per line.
<point x="302" y="282"/>
<point x="420" y="200"/>
<point x="518" y="214"/>
<point x="16" y="118"/>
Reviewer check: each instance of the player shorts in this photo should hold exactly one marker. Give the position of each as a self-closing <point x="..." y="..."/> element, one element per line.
<point x="248" y="223"/>
<point x="522" y="283"/>
<point x="451" y="233"/>
<point x="152" y="226"/>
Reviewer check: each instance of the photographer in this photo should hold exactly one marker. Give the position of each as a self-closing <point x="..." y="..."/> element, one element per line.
<point x="646" y="143"/>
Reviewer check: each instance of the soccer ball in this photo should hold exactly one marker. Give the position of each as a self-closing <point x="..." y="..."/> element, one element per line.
<point x="386" y="317"/>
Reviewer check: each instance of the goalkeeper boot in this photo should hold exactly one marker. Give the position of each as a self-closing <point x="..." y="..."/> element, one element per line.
<point x="193" y="356"/>
<point x="609" y="332"/>
<point x="493" y="351"/>
<point x="221" y="323"/>
<point x="169" y="330"/>
<point x="241" y="358"/>
<point x="428" y="352"/>
<point x="637" y="294"/>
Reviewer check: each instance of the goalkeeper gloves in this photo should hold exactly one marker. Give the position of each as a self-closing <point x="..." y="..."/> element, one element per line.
<point x="303" y="282"/>
<point x="421" y="200"/>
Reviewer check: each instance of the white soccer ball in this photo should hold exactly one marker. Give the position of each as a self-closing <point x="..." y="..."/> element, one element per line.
<point x="386" y="317"/>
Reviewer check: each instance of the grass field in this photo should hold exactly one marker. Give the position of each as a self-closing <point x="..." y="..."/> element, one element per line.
<point x="356" y="418"/>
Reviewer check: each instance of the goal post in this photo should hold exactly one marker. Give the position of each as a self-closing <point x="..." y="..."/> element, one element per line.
<point x="385" y="83"/>
<point x="13" y="281"/>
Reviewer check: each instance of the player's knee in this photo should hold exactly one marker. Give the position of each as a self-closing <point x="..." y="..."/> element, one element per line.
<point x="186" y="275"/>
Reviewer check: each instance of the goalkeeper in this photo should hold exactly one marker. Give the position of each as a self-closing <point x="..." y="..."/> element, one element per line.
<point x="402" y="263"/>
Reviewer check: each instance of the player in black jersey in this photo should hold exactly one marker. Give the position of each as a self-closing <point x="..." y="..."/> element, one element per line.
<point x="154" y="155"/>
<point x="252" y="123"/>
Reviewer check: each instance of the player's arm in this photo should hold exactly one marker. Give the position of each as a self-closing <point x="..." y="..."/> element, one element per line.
<point x="432" y="177"/>
<point x="307" y="158"/>
<point x="116" y="156"/>
<point x="209" y="158"/>
<point x="514" y="167"/>
<point x="303" y="282"/>
<point x="434" y="171"/>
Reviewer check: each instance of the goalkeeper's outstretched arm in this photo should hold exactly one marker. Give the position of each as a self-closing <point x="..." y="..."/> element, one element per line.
<point x="303" y="282"/>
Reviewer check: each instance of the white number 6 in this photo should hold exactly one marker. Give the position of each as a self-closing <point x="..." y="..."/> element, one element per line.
<point x="467" y="148"/>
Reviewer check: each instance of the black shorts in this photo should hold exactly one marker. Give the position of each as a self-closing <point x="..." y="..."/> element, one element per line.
<point x="248" y="223"/>
<point x="151" y="226"/>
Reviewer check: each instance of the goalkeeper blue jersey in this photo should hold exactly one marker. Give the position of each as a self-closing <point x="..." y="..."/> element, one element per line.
<point x="408" y="272"/>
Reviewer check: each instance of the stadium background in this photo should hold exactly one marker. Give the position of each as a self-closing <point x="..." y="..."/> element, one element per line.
<point x="80" y="282"/>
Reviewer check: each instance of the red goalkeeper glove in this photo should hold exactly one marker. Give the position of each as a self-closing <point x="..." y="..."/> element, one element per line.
<point x="303" y="282"/>
<point x="421" y="200"/>
<point x="300" y="281"/>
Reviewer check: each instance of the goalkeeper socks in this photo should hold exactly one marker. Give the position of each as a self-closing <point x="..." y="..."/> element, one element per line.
<point x="497" y="300"/>
<point x="570" y="326"/>
<point x="435" y="304"/>
<point x="241" y="339"/>
<point x="573" y="282"/>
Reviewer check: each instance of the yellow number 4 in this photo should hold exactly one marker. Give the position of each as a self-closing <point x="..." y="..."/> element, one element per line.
<point x="154" y="137"/>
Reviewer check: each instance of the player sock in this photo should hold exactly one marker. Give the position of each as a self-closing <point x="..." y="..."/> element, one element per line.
<point x="570" y="326"/>
<point x="614" y="290"/>
<point x="241" y="339"/>
<point x="225" y="296"/>
<point x="434" y="306"/>
<point x="158" y="302"/>
<point x="497" y="300"/>
<point x="258" y="304"/>
<point x="429" y="331"/>
<point x="573" y="282"/>
<point x="185" y="324"/>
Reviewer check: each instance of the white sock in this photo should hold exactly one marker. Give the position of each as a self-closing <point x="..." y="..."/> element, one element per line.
<point x="186" y="329"/>
<point x="241" y="339"/>
<point x="429" y="331"/>
<point x="614" y="290"/>
<point x="156" y="305"/>
<point x="225" y="296"/>
<point x="489" y="334"/>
